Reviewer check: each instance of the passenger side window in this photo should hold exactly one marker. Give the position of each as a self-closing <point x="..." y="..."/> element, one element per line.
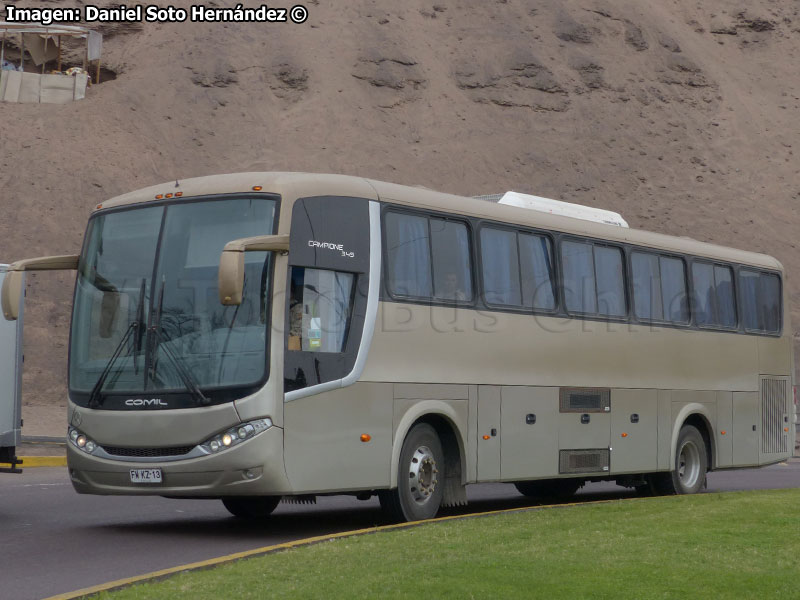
<point x="428" y="258"/>
<point x="594" y="280"/>
<point x="500" y="267"/>
<point x="714" y="299"/>
<point x="761" y="301"/>
<point x="659" y="288"/>
<point x="452" y="279"/>
<point x="408" y="255"/>
<point x="517" y="269"/>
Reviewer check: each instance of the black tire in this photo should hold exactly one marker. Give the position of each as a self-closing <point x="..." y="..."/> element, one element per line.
<point x="549" y="490"/>
<point x="688" y="475"/>
<point x="420" y="478"/>
<point x="251" y="507"/>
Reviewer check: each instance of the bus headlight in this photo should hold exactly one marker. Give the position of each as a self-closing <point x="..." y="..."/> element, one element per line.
<point x="81" y="441"/>
<point x="235" y="435"/>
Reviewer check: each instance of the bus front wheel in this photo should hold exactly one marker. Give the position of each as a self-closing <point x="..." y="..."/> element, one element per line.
<point x="420" y="478"/>
<point x="689" y="472"/>
<point x="251" y="507"/>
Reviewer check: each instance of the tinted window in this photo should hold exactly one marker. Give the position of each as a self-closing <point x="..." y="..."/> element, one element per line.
<point x="760" y="301"/>
<point x="452" y="278"/>
<point x="610" y="281"/>
<point x="319" y="310"/>
<point x="726" y="305"/>
<point x="536" y="261"/>
<point x="408" y="255"/>
<point x="579" y="284"/>
<point x="500" y="262"/>
<point x="659" y="288"/>
<point x="713" y="293"/>
<point x="646" y="286"/>
<point x="673" y="289"/>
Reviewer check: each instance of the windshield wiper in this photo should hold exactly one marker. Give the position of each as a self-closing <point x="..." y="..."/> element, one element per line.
<point x="135" y="328"/>
<point x="159" y="335"/>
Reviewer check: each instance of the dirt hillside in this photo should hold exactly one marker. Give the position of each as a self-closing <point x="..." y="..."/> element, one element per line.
<point x="682" y="115"/>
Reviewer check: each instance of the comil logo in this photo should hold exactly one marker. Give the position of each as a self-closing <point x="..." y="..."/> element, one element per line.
<point x="145" y="402"/>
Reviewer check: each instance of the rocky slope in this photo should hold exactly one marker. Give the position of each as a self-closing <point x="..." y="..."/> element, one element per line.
<point x="681" y="115"/>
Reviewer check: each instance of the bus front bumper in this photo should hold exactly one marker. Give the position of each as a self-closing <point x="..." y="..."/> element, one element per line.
<point x="252" y="468"/>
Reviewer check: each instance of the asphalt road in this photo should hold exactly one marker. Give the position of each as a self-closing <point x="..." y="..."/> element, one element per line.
<point x="54" y="541"/>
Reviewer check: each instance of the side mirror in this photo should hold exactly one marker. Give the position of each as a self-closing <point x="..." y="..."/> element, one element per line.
<point x="11" y="293"/>
<point x="231" y="263"/>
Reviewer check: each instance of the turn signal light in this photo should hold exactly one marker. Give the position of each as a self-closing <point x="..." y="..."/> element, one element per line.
<point x="365" y="437"/>
<point x="624" y="435"/>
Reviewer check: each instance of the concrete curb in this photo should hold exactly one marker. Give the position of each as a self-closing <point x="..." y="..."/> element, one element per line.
<point x="43" y="461"/>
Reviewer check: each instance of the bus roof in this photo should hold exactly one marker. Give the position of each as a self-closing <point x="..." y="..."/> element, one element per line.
<point x="291" y="185"/>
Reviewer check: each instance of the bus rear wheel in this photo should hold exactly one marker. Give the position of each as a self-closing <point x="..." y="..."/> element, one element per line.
<point x="552" y="490"/>
<point x="420" y="478"/>
<point x="691" y="460"/>
<point x="251" y="507"/>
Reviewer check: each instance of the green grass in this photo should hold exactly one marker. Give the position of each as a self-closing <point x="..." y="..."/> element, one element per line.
<point x="733" y="545"/>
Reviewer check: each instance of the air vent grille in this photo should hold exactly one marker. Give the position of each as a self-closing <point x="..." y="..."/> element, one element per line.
<point x="774" y="415"/>
<point x="148" y="452"/>
<point x="584" y="461"/>
<point x="585" y="400"/>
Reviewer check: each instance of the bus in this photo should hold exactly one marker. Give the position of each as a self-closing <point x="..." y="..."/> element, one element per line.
<point x="257" y="336"/>
<point x="10" y="389"/>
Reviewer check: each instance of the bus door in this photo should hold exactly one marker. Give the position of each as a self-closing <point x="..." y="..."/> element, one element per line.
<point x="10" y="388"/>
<point x="331" y="304"/>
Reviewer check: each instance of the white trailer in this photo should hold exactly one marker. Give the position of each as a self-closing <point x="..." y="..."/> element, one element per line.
<point x="10" y="389"/>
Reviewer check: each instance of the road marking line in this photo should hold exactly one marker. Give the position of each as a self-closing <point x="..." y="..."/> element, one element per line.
<point x="220" y="560"/>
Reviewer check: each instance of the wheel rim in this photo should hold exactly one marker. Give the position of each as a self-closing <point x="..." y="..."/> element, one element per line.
<point x="689" y="464"/>
<point x="423" y="475"/>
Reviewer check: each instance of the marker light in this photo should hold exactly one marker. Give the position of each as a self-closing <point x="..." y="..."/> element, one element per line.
<point x="365" y="437"/>
<point x="159" y="196"/>
<point x="98" y="207"/>
<point x="168" y="196"/>
<point x="235" y="435"/>
<point x="257" y="188"/>
<point x="723" y="432"/>
<point x="486" y="437"/>
<point x="178" y="194"/>
<point x="624" y="435"/>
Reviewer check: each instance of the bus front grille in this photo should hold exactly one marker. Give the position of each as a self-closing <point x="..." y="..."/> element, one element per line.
<point x="148" y="452"/>
<point x="774" y="415"/>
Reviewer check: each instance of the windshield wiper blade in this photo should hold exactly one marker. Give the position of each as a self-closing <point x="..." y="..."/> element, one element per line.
<point x="159" y="334"/>
<point x="180" y="366"/>
<point x="94" y="396"/>
<point x="95" y="400"/>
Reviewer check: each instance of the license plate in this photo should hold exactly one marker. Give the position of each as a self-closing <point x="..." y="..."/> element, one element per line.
<point x="146" y="475"/>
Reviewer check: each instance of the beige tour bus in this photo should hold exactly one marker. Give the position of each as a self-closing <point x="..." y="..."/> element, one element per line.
<point x="258" y="336"/>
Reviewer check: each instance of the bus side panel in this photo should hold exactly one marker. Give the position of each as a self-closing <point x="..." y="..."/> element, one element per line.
<point x="724" y="430"/>
<point x="322" y="441"/>
<point x="746" y="418"/>
<point x="664" y="430"/>
<point x="489" y="444"/>
<point x="634" y="429"/>
<point x="530" y="432"/>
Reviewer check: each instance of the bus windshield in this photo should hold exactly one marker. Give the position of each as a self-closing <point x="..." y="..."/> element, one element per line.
<point x="147" y="315"/>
